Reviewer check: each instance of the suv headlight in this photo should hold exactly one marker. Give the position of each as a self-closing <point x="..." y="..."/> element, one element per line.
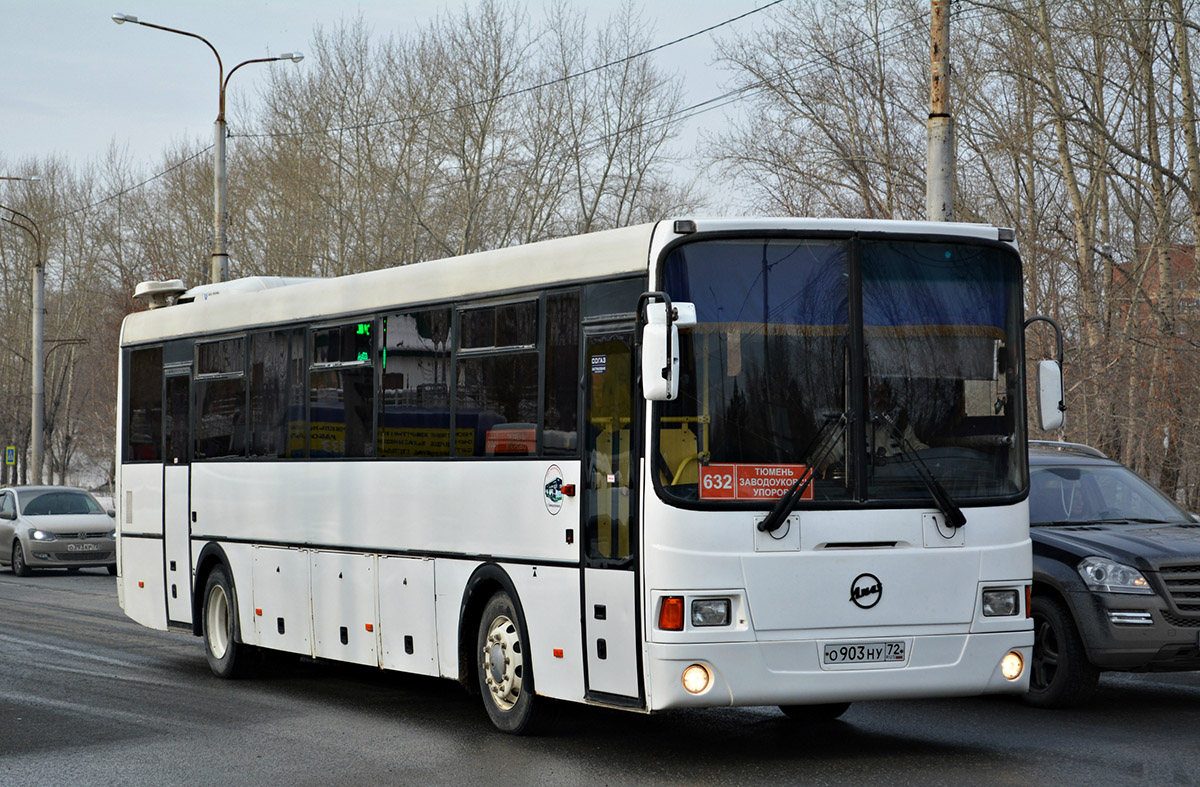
<point x="1109" y="576"/>
<point x="40" y="535"/>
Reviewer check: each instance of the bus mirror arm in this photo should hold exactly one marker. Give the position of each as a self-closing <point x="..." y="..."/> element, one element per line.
<point x="1051" y="400"/>
<point x="659" y="324"/>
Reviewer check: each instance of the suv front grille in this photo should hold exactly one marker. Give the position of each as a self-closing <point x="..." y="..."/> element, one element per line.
<point x="1183" y="586"/>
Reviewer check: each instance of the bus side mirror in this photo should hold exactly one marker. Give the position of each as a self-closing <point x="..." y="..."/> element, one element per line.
<point x="660" y="349"/>
<point x="1050" y="395"/>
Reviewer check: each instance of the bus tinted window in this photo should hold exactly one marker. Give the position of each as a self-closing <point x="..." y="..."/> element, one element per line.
<point x="277" y="394"/>
<point x="414" y="416"/>
<point x="562" y="375"/>
<point x="220" y="422"/>
<point x="497" y="402"/>
<point x="508" y="325"/>
<point x="224" y="357"/>
<point x="343" y="344"/>
<point x="143" y="434"/>
<point x="220" y="399"/>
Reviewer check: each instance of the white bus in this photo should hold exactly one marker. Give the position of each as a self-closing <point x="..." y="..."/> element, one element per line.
<point x="691" y="463"/>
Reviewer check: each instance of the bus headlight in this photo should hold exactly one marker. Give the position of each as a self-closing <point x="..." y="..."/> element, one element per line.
<point x="696" y="679"/>
<point x="998" y="603"/>
<point x="710" y="612"/>
<point x="1012" y="665"/>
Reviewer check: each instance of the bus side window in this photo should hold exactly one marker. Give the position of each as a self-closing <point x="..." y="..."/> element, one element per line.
<point x="560" y="434"/>
<point x="414" y="400"/>
<point x="143" y="429"/>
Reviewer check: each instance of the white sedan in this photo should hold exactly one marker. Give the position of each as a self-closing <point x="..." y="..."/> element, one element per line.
<point x="55" y="527"/>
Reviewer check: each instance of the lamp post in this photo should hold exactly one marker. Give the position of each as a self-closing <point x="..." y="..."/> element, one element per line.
<point x="220" y="257"/>
<point x="36" y="426"/>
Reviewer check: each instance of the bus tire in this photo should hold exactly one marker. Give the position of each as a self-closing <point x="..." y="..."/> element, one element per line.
<point x="502" y="667"/>
<point x="815" y="714"/>
<point x="1060" y="675"/>
<point x="227" y="657"/>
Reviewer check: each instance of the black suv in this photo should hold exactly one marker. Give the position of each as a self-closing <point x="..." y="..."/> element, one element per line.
<point x="1116" y="574"/>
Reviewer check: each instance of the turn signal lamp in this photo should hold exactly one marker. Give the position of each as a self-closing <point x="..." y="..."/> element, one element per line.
<point x="1012" y="665"/>
<point x="670" y="614"/>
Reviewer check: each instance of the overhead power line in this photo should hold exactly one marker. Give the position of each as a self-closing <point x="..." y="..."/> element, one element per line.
<point x="883" y="40"/>
<point x="511" y="93"/>
<point x="134" y="187"/>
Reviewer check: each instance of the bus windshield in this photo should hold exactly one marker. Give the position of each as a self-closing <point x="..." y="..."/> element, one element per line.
<point x="869" y="363"/>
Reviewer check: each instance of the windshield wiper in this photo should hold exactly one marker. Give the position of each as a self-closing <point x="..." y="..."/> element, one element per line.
<point x="1141" y="520"/>
<point x="784" y="506"/>
<point x="954" y="515"/>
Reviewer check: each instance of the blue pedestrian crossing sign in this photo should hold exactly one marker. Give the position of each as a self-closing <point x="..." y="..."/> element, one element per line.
<point x="10" y="455"/>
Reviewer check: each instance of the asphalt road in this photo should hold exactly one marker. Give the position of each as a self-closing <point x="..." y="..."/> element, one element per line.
<point x="88" y="697"/>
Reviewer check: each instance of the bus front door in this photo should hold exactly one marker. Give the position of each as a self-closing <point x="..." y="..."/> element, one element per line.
<point x="609" y="527"/>
<point x="177" y="486"/>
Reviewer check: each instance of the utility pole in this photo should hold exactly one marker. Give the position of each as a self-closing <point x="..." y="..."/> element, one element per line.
<point x="939" y="153"/>
<point x="36" y="358"/>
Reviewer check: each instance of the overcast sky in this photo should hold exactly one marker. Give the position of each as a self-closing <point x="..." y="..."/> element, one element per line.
<point x="74" y="82"/>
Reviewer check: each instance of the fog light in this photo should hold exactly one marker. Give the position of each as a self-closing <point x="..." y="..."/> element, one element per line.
<point x="1012" y="665"/>
<point x="42" y="555"/>
<point x="697" y="679"/>
<point x="999" y="603"/>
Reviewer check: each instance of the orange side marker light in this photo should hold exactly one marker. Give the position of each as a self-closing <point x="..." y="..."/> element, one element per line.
<point x="670" y="615"/>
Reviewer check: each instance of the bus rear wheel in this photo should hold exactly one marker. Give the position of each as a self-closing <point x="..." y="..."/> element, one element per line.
<point x="815" y="714"/>
<point x="504" y="673"/>
<point x="227" y="657"/>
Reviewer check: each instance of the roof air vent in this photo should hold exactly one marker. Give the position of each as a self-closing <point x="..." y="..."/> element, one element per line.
<point x="157" y="294"/>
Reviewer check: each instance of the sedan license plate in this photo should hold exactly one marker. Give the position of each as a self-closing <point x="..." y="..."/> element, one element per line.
<point x="81" y="547"/>
<point x="890" y="652"/>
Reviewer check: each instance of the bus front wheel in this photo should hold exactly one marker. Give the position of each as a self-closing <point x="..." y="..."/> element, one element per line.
<point x="502" y="667"/>
<point x="227" y="657"/>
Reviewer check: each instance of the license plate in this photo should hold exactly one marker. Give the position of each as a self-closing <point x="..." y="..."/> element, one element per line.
<point x="81" y="547"/>
<point x="864" y="652"/>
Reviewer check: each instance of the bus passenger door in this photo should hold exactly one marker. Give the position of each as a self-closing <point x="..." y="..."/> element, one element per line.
<point x="177" y="506"/>
<point x="611" y="621"/>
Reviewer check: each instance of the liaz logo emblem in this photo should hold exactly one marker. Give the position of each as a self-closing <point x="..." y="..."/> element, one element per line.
<point x="552" y="489"/>
<point x="866" y="590"/>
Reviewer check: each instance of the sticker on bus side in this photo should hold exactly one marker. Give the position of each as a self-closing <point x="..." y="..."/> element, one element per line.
<point x="750" y="482"/>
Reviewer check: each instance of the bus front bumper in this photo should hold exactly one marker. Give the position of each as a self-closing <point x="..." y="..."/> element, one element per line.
<point x="791" y="673"/>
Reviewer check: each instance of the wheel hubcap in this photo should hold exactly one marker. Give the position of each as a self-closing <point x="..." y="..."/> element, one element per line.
<point x="217" y="621"/>
<point x="1045" y="656"/>
<point x="503" y="663"/>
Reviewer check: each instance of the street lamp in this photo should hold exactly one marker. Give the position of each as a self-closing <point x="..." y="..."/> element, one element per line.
<point x="220" y="257"/>
<point x="37" y="318"/>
